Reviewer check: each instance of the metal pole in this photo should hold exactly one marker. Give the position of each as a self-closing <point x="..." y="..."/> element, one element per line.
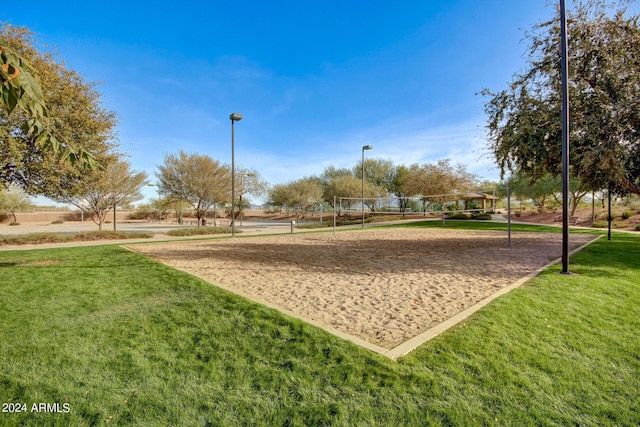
<point x="334" y="215"/>
<point x="233" y="184"/>
<point x="234" y="117"/>
<point x="362" y="200"/>
<point x="565" y="138"/>
<point x="609" y="213"/>
<point x="508" y="216"/>
<point x="365" y="147"/>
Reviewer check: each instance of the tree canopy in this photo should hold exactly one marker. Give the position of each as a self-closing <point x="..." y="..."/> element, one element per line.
<point x="13" y="199"/>
<point x="524" y="120"/>
<point x="296" y="196"/>
<point x="22" y="94"/>
<point x="197" y="179"/>
<point x="113" y="186"/>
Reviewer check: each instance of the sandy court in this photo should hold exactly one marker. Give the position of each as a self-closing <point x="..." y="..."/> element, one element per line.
<point x="382" y="285"/>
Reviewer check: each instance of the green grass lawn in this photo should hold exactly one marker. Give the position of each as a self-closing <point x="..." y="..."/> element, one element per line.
<point x="125" y="341"/>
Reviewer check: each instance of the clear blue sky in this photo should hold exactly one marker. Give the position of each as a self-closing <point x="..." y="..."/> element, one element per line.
<point x="315" y="80"/>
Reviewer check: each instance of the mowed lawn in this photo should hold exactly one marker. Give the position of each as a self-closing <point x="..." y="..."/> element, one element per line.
<point x="108" y="337"/>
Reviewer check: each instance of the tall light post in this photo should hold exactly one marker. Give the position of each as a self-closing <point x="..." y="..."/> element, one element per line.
<point x="565" y="137"/>
<point x="366" y="147"/>
<point x="235" y="117"/>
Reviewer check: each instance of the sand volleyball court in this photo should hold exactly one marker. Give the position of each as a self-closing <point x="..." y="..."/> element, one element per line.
<point x="384" y="286"/>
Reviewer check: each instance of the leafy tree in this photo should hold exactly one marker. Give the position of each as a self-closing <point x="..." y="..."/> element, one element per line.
<point x="296" y="196"/>
<point x="379" y="172"/>
<point x="577" y="192"/>
<point x="197" y="179"/>
<point x="113" y="186"/>
<point x="382" y="178"/>
<point x="23" y="95"/>
<point x="332" y="172"/>
<point x="539" y="190"/>
<point x="400" y="186"/>
<point x="13" y="200"/>
<point x="347" y="186"/>
<point x="248" y="182"/>
<point x="524" y="121"/>
<point x="436" y="182"/>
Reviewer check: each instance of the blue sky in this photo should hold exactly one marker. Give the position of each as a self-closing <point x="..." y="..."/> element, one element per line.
<point x="314" y="80"/>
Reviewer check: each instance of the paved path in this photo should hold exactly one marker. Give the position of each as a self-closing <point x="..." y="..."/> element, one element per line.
<point x="157" y="230"/>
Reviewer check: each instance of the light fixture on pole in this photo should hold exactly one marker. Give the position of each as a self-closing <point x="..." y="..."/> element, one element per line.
<point x="365" y="147"/>
<point x="235" y="117"/>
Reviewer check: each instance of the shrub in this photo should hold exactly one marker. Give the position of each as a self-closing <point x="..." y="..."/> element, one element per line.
<point x="457" y="216"/>
<point x="200" y="231"/>
<point x="627" y="214"/>
<point x="73" y="216"/>
<point x="482" y="216"/>
<point x="142" y="213"/>
<point x="14" y="223"/>
<point x="4" y="217"/>
<point x="318" y="224"/>
<point x="58" y="221"/>
<point x="637" y="227"/>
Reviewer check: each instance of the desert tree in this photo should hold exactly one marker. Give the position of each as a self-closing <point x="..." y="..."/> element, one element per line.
<point x="113" y="186"/>
<point x="248" y="183"/>
<point x="296" y="196"/>
<point x="379" y="172"/>
<point x="437" y="182"/>
<point x="13" y="200"/>
<point x="198" y="179"/>
<point x="382" y="178"/>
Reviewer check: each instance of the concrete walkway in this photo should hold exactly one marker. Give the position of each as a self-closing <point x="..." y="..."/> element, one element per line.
<point x="157" y="230"/>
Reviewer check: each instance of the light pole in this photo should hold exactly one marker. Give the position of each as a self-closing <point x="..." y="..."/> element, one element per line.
<point x="565" y="137"/>
<point x="365" y="147"/>
<point x="235" y="117"/>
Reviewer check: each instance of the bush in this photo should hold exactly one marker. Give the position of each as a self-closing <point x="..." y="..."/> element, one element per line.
<point x="142" y="213"/>
<point x="200" y="231"/>
<point x="458" y="216"/>
<point x="482" y="216"/>
<point x="637" y="227"/>
<point x="318" y="224"/>
<point x="73" y="216"/>
<point x="627" y="214"/>
<point x="58" y="221"/>
<point x="4" y="217"/>
<point x="14" y="223"/>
